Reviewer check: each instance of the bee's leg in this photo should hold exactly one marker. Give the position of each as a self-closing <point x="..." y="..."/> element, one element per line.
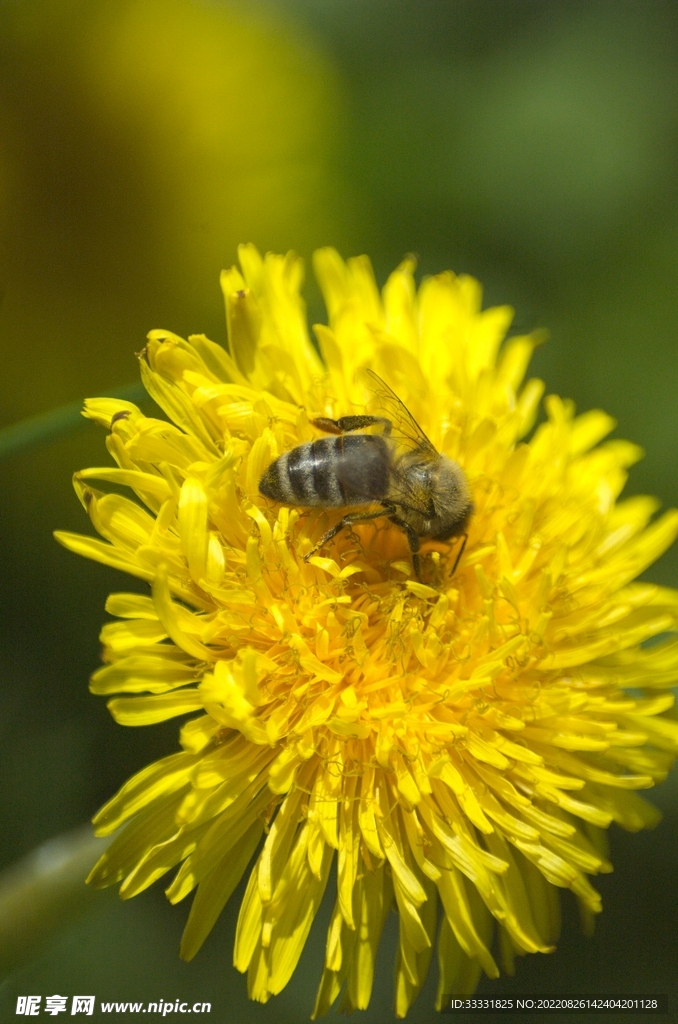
<point x="347" y="520"/>
<point x="345" y="424"/>
<point x="413" y="540"/>
<point x="459" y="554"/>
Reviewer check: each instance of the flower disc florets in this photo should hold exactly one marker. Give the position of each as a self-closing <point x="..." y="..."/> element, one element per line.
<point x="459" y="743"/>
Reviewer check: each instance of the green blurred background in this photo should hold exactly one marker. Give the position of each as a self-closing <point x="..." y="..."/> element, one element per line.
<point x="532" y="144"/>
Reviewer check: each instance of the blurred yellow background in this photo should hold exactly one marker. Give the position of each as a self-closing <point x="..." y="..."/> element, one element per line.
<point x="532" y="143"/>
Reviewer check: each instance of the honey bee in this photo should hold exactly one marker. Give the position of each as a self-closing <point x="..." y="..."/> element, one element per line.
<point x="422" y="492"/>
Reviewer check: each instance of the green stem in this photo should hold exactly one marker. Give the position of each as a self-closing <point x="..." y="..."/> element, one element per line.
<point x="56" y="423"/>
<point x="44" y="892"/>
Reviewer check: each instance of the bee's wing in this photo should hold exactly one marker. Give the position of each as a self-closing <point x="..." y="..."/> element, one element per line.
<point x="409" y="495"/>
<point x="406" y="431"/>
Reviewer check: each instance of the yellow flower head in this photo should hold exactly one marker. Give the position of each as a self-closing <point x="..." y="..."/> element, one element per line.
<point x="458" y="741"/>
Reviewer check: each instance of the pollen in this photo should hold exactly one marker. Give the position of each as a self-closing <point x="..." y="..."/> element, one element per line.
<point x="451" y="748"/>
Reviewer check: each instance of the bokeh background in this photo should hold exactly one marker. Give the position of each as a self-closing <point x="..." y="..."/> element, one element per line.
<point x="532" y="143"/>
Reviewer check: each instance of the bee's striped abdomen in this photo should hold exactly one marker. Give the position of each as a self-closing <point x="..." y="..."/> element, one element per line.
<point x="305" y="475"/>
<point x="330" y="472"/>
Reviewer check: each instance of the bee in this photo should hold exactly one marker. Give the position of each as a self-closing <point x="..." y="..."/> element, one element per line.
<point x="424" y="493"/>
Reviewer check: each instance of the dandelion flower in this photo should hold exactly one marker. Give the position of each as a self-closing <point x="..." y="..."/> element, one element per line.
<point x="452" y="748"/>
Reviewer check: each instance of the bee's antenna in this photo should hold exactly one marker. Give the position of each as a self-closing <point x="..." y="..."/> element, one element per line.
<point x="459" y="554"/>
